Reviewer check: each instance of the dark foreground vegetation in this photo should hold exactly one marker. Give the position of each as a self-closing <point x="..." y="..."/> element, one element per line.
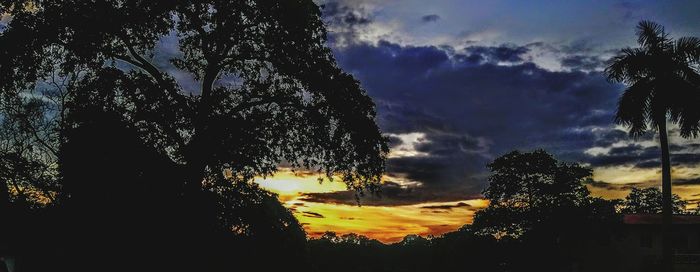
<point x="119" y="155"/>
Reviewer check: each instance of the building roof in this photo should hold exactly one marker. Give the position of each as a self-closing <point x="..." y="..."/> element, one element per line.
<point x="655" y="219"/>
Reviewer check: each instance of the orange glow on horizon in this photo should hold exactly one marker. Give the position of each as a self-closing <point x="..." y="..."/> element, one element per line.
<point x="390" y="224"/>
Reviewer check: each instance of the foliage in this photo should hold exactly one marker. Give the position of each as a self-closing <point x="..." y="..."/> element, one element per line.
<point x="270" y="90"/>
<point x="450" y="252"/>
<point x="28" y="150"/>
<point x="526" y="189"/>
<point x="663" y="83"/>
<point x="128" y="114"/>
<point x="662" y="79"/>
<point x="540" y="206"/>
<point x="649" y="201"/>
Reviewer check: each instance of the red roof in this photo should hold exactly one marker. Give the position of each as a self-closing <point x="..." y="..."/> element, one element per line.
<point x="655" y="219"/>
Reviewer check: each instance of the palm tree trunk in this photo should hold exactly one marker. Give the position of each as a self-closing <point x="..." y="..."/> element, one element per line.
<point x="667" y="211"/>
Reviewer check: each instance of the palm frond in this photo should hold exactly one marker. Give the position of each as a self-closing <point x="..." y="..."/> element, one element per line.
<point x="689" y="48"/>
<point x="663" y="76"/>
<point x="683" y="106"/>
<point x="651" y="35"/>
<point x="630" y="65"/>
<point x="633" y="107"/>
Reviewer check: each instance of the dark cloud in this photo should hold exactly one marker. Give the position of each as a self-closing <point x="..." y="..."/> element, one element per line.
<point x="338" y="13"/>
<point x="643" y="157"/>
<point x="654" y="163"/>
<point x="423" y="89"/>
<point x="344" y="21"/>
<point x="576" y="47"/>
<point x="632" y="154"/>
<point x="580" y="62"/>
<point x="447" y="144"/>
<point x="392" y="194"/>
<point x="312" y="214"/>
<point x="693" y="181"/>
<point x="394" y="141"/>
<point x="685" y="158"/>
<point x="430" y="18"/>
<point x="503" y="53"/>
<point x="471" y="109"/>
<point x="447" y="207"/>
<point x="598" y="184"/>
<point x="613" y="186"/>
<point x="613" y="136"/>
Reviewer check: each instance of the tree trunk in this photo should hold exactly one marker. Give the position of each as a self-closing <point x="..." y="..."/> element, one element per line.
<point x="197" y="150"/>
<point x="194" y="175"/>
<point x="7" y="218"/>
<point x="667" y="210"/>
<point x="4" y="197"/>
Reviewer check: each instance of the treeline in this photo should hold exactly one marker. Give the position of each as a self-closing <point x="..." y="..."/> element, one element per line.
<point x="456" y="251"/>
<point x="541" y="217"/>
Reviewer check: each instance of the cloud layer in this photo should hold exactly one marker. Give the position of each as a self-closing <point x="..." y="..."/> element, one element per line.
<point x="450" y="109"/>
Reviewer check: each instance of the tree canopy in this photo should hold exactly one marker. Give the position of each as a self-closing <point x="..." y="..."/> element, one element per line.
<point x="662" y="80"/>
<point x="148" y="119"/>
<point x="649" y="201"/>
<point x="528" y="188"/>
<point x="267" y="89"/>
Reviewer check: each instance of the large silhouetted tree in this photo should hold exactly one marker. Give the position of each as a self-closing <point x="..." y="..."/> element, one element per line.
<point x="156" y="99"/>
<point x="662" y="84"/>
<point x="268" y="89"/>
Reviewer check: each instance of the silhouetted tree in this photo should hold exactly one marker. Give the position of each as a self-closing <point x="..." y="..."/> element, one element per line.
<point x="348" y="252"/>
<point x="650" y="201"/>
<point x="269" y="87"/>
<point x="28" y="145"/>
<point x="525" y="188"/>
<point x="662" y="84"/>
<point x="414" y="240"/>
<point x="248" y="85"/>
<point x="540" y="206"/>
<point x="452" y="251"/>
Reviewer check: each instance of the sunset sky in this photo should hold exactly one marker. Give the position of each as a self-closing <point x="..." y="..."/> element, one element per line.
<point x="458" y="83"/>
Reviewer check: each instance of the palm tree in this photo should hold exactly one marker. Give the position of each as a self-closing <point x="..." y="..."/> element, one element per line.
<point x="663" y="85"/>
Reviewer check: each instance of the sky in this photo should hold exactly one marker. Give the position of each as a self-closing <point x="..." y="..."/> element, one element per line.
<point x="458" y="83"/>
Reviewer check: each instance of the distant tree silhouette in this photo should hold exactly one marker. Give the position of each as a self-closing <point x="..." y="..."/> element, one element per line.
<point x="649" y="200"/>
<point x="524" y="188"/>
<point x="540" y="206"/>
<point x="413" y="240"/>
<point x="452" y="251"/>
<point x="662" y="84"/>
